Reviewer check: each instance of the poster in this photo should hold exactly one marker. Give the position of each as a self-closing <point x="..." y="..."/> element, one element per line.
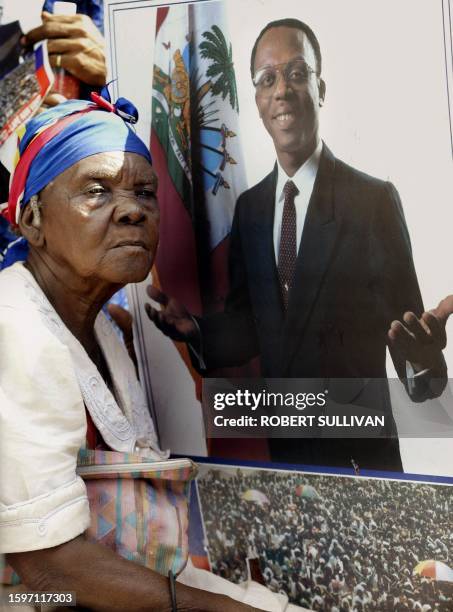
<point x="23" y="89"/>
<point x="331" y="541"/>
<point x="387" y="112"/>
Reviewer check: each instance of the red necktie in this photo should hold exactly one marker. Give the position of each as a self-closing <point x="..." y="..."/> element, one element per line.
<point x="287" y="252"/>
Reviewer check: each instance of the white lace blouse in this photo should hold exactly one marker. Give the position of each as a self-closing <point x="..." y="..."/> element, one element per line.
<point x="46" y="380"/>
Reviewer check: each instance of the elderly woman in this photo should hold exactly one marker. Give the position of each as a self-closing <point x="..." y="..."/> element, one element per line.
<point x="83" y="196"/>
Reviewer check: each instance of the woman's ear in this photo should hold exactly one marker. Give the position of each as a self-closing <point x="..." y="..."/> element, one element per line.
<point x="30" y="223"/>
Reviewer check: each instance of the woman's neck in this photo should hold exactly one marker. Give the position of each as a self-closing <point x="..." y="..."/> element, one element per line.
<point x="76" y="300"/>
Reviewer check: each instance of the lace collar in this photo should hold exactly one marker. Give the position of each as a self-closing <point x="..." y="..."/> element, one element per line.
<point x="126" y="424"/>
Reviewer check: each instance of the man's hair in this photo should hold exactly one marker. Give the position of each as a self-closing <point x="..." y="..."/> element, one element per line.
<point x="289" y="23"/>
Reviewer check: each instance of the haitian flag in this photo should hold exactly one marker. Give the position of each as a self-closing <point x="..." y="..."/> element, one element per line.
<point x="23" y="90"/>
<point x="196" y="152"/>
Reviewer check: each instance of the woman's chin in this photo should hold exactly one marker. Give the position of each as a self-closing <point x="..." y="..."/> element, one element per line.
<point x="133" y="271"/>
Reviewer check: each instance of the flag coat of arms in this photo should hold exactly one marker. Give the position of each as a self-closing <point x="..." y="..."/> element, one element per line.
<point x="196" y="151"/>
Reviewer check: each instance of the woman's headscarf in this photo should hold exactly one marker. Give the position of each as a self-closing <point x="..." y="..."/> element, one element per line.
<point x="58" y="138"/>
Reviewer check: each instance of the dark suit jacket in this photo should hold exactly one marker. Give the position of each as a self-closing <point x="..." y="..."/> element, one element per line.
<point x="354" y="275"/>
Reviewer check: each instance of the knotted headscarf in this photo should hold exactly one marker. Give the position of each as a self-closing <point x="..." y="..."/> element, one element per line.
<point x="58" y="138"/>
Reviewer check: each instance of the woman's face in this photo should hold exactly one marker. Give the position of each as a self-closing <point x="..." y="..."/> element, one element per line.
<point x="100" y="218"/>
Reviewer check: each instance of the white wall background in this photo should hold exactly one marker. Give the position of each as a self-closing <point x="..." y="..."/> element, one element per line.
<point x="386" y="113"/>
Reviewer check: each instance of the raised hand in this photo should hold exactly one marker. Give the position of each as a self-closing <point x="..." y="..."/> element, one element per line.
<point x="172" y="319"/>
<point x="444" y="309"/>
<point x="419" y="341"/>
<point x="75" y="43"/>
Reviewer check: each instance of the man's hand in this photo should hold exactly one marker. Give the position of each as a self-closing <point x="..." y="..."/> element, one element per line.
<point x="444" y="309"/>
<point x="419" y="341"/>
<point x="78" y="44"/>
<point x="173" y="319"/>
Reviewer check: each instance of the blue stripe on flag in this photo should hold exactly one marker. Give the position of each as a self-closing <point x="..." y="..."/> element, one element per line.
<point x="39" y="57"/>
<point x="186" y="58"/>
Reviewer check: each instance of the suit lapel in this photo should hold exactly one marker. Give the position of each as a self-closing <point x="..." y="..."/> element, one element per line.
<point x="318" y="239"/>
<point x="261" y="245"/>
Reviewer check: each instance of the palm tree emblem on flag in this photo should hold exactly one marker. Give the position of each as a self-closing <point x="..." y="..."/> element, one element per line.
<point x="195" y="147"/>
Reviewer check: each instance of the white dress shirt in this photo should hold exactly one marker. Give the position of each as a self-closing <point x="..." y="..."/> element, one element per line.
<point x="304" y="179"/>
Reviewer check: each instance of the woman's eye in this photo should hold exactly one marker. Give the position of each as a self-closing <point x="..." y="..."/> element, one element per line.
<point x="146" y="193"/>
<point x="97" y="190"/>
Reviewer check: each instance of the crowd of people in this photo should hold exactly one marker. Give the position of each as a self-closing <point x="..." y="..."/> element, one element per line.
<point x="351" y="545"/>
<point x="18" y="87"/>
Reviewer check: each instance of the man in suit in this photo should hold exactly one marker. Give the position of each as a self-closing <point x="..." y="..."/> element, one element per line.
<point x="321" y="271"/>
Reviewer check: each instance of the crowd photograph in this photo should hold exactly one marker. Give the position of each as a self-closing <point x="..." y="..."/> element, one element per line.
<point x="332" y="543"/>
<point x="18" y="88"/>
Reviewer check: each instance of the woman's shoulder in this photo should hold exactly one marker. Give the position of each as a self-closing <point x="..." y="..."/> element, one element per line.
<point x="23" y="303"/>
<point x="30" y="351"/>
<point x="18" y="290"/>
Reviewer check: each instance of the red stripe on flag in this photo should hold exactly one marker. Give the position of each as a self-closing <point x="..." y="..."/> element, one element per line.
<point x="176" y="259"/>
<point x="246" y="449"/>
<point x="162" y="12"/>
<point x="43" y="79"/>
<point x="200" y="562"/>
<point x="181" y="347"/>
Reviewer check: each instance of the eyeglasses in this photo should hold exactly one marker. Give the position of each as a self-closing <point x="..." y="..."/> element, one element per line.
<point x="296" y="73"/>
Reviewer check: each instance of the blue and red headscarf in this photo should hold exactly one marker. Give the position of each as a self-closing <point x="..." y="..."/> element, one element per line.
<point x="58" y="138"/>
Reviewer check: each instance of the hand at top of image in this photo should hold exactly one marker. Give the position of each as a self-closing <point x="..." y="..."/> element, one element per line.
<point x="75" y="44"/>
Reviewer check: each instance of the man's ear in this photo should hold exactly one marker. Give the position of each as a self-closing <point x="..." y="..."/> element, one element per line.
<point x="30" y="225"/>
<point x="322" y="91"/>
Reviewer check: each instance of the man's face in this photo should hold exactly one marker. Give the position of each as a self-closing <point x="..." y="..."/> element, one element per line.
<point x="290" y="114"/>
<point x="100" y="218"/>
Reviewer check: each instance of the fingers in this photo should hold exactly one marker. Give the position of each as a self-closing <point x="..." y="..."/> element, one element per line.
<point x="157" y="295"/>
<point x="420" y="341"/>
<point x="65" y="26"/>
<point x="418" y="328"/>
<point x="122" y="318"/>
<point x="88" y="66"/>
<point x="433" y="323"/>
<point x="55" y="29"/>
<point x="173" y="319"/>
<point x="52" y="99"/>
<point x="159" y="319"/>
<point x="444" y="308"/>
<point x="61" y="18"/>
<point x="402" y="335"/>
<point x="69" y="45"/>
<point x="157" y="316"/>
<point x="437" y="328"/>
<point x="411" y="330"/>
<point x="394" y="330"/>
<point x="75" y="44"/>
<point x="152" y="313"/>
